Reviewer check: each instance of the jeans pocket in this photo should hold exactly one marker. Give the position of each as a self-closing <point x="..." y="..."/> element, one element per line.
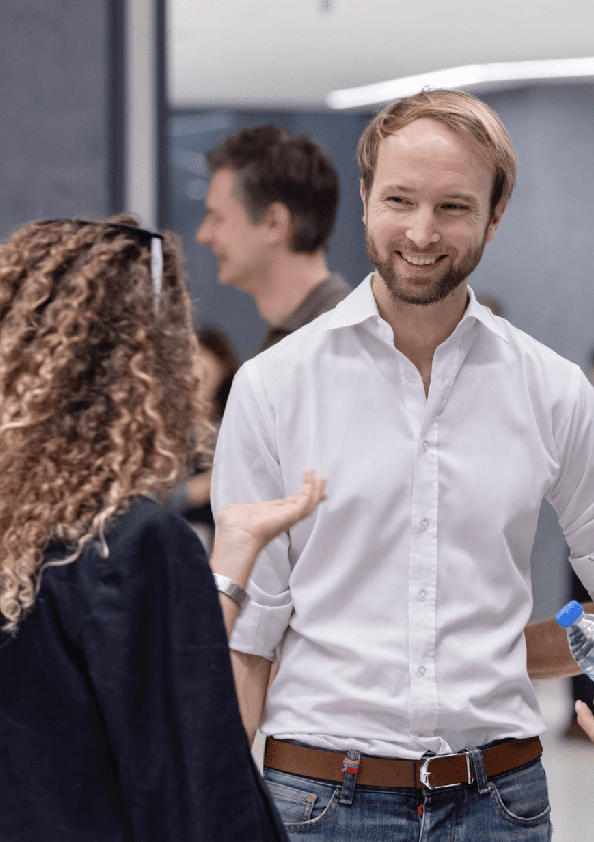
<point x="522" y="796"/>
<point x="301" y="804"/>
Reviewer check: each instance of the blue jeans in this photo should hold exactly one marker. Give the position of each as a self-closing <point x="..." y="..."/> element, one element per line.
<point x="512" y="806"/>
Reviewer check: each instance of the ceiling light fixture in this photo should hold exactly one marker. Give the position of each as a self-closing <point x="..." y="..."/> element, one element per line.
<point x="476" y="77"/>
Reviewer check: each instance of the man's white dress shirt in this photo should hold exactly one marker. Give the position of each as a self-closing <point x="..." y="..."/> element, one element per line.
<point x="398" y="607"/>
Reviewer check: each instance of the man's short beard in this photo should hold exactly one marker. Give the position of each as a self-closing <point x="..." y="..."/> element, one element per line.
<point x="442" y="286"/>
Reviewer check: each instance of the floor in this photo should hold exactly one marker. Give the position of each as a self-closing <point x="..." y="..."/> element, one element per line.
<point x="569" y="766"/>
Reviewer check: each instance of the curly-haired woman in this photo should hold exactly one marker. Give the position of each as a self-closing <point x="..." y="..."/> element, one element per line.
<point x="118" y="719"/>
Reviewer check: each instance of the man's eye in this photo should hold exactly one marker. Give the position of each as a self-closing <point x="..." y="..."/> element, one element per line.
<point x="454" y="206"/>
<point x="397" y="200"/>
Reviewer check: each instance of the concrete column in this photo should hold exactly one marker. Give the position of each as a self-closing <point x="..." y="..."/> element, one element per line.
<point x="141" y="110"/>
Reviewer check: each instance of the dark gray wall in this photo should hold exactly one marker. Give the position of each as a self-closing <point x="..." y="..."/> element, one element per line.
<point x="541" y="262"/>
<point x="52" y="93"/>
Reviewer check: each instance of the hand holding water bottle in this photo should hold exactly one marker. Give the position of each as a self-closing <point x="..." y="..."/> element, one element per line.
<point x="585" y="718"/>
<point x="580" y="636"/>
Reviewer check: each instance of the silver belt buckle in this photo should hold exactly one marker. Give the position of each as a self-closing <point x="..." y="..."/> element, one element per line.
<point x="425" y="773"/>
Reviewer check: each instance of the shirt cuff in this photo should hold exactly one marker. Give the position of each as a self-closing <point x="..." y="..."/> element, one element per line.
<point x="260" y="628"/>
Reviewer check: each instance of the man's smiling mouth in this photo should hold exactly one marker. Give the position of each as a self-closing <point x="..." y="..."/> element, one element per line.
<point x="420" y="260"/>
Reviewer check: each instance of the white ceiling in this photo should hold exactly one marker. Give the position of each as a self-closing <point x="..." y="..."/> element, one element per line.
<point x="291" y="53"/>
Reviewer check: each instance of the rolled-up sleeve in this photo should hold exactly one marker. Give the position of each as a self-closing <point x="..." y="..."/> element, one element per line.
<point x="573" y="493"/>
<point x="246" y="469"/>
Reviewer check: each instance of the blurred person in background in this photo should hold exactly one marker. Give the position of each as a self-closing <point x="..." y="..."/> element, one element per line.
<point x="191" y="498"/>
<point x="118" y="715"/>
<point x="403" y="706"/>
<point x="270" y="212"/>
<point x="220" y="358"/>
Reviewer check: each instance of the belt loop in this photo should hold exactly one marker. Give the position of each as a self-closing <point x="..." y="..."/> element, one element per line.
<point x="479" y="769"/>
<point x="350" y="767"/>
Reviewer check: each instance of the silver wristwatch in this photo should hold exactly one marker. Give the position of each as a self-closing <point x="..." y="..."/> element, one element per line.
<point x="227" y="586"/>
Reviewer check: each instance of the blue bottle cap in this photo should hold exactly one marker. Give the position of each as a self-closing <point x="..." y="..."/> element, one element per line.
<point x="569" y="614"/>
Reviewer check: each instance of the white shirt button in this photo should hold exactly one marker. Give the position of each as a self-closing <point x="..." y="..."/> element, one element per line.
<point x="422" y="670"/>
<point x="422" y="595"/>
<point x="425" y="447"/>
<point x="410" y="376"/>
<point x="424" y="524"/>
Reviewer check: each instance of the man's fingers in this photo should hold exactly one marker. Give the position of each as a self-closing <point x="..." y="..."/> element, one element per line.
<point x="585" y="718"/>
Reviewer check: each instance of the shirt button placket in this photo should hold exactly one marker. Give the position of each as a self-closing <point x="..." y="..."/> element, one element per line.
<point x="422" y="576"/>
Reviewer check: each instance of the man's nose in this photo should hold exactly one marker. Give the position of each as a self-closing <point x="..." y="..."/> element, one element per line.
<point x="423" y="229"/>
<point x="203" y="233"/>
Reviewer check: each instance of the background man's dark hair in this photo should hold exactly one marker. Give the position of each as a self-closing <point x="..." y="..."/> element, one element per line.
<point x="274" y="165"/>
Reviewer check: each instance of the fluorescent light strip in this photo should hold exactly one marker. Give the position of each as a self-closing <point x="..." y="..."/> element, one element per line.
<point x="469" y="76"/>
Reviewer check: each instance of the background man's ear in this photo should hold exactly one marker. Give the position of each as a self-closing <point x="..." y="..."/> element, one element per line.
<point x="278" y="221"/>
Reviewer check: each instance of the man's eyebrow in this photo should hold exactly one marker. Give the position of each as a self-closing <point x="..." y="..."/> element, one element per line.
<point x="445" y="196"/>
<point x="464" y="197"/>
<point x="395" y="188"/>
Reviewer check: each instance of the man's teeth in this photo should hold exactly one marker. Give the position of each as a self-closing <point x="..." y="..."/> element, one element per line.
<point x="419" y="261"/>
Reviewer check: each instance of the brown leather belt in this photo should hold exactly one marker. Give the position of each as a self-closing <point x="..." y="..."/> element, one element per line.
<point x="430" y="773"/>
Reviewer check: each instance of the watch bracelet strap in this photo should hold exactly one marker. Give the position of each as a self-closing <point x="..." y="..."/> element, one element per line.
<point x="231" y="589"/>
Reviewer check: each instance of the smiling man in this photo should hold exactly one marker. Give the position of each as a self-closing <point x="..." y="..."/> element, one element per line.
<point x="402" y="707"/>
<point x="421" y="262"/>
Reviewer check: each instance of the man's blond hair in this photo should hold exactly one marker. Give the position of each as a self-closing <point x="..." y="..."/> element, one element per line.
<point x="464" y="114"/>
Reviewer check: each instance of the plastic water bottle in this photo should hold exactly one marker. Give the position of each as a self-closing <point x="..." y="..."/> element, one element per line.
<point x="580" y="635"/>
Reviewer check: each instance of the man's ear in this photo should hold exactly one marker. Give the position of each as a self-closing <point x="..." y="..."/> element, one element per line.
<point x="278" y="222"/>
<point x="494" y="223"/>
<point x="363" y="192"/>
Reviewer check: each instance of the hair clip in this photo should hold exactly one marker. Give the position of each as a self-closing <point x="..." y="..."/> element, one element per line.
<point x="156" y="241"/>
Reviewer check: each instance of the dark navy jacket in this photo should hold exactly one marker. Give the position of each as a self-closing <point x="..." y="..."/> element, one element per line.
<point x="118" y="715"/>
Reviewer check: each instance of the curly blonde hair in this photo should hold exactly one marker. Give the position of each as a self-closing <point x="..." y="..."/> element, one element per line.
<point x="99" y="388"/>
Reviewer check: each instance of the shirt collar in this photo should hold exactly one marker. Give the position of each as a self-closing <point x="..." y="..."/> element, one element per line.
<point x="484" y="315"/>
<point x="356" y="308"/>
<point x="361" y="305"/>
